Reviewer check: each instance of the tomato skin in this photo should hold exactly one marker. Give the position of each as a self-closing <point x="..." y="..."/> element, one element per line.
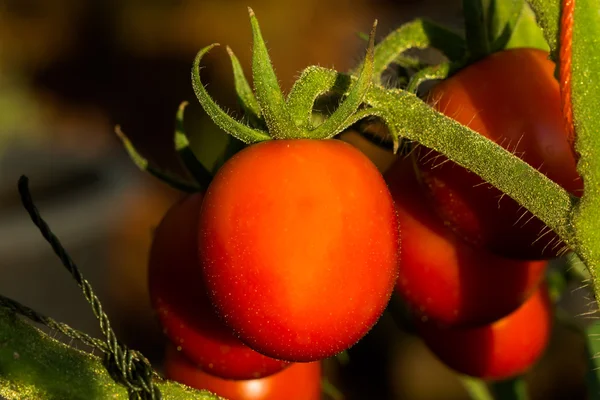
<point x="503" y="349"/>
<point x="300" y="381"/>
<point x="512" y="98"/>
<point x="299" y="242"/>
<point x="178" y="295"/>
<point x="444" y="278"/>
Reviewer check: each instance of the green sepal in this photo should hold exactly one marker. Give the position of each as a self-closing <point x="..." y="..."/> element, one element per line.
<point x="270" y="98"/>
<point x="476" y="388"/>
<point x="547" y="14"/>
<point x="220" y="117"/>
<point x="504" y="16"/>
<point x="476" y="29"/>
<point x="420" y="33"/>
<point x="182" y="145"/>
<point x="169" y="178"/>
<point x="337" y="121"/>
<point x="245" y="94"/>
<point x="232" y="147"/>
<point x="305" y="91"/>
<point x="527" y="33"/>
<point x="440" y="71"/>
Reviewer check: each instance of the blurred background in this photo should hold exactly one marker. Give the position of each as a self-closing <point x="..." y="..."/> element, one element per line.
<point x="70" y="70"/>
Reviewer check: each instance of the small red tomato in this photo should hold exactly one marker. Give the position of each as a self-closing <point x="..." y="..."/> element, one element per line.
<point x="300" y="381"/>
<point x="503" y="349"/>
<point x="178" y="295"/>
<point x="441" y="276"/>
<point x="512" y="98"/>
<point x="299" y="246"/>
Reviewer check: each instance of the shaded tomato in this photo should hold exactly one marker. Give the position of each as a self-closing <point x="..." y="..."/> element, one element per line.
<point x="178" y="295"/>
<point x="300" y="381"/>
<point x="512" y="98"/>
<point x="299" y="246"/>
<point x="505" y="348"/>
<point x="441" y="276"/>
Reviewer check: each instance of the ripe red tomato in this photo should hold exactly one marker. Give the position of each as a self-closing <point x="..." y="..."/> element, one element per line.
<point x="300" y="381"/>
<point x="512" y="98"/>
<point x="441" y="276"/>
<point x="299" y="245"/>
<point x="505" y="348"/>
<point x="178" y="295"/>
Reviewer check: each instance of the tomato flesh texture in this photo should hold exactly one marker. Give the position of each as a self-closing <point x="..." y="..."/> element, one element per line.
<point x="298" y="382"/>
<point x="503" y="349"/>
<point x="512" y="98"/>
<point x="442" y="277"/>
<point x="178" y="294"/>
<point x="299" y="243"/>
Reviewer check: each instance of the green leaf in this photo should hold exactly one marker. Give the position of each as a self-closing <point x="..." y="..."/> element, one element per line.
<point x="182" y="145"/>
<point x="35" y="366"/>
<point x="220" y="117"/>
<point x="336" y="122"/>
<point x="547" y="14"/>
<point x="244" y="93"/>
<point x="420" y="33"/>
<point x="270" y="98"/>
<point x="527" y="32"/>
<point x="171" y="179"/>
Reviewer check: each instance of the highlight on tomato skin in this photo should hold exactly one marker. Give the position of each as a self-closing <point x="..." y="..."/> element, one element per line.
<point x="512" y="98"/>
<point x="503" y="349"/>
<point x="299" y="243"/>
<point x="301" y="381"/>
<point x="179" y="297"/>
<point x="442" y="277"/>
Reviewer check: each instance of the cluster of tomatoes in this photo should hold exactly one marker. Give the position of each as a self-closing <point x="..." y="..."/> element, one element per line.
<point x="473" y="261"/>
<point x="294" y="250"/>
<point x="290" y="257"/>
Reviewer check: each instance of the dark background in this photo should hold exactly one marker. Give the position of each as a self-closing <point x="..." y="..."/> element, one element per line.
<point x="71" y="69"/>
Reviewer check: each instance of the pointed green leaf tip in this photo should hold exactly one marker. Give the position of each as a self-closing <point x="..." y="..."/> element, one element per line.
<point x="270" y="98"/>
<point x="177" y="182"/>
<point x="181" y="141"/>
<point x="244" y="92"/>
<point x="220" y="117"/>
<point x="337" y="121"/>
<point x="186" y="156"/>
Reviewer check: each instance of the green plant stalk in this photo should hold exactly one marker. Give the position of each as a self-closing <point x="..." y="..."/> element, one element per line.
<point x="35" y="366"/>
<point x="497" y="166"/>
<point x="409" y="117"/>
<point x="586" y="106"/>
